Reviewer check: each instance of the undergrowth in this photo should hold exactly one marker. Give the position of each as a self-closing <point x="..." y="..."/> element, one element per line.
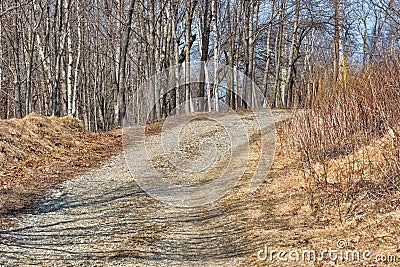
<point x="349" y="143"/>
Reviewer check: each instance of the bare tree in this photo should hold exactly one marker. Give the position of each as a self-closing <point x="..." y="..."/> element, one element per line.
<point x="89" y="59"/>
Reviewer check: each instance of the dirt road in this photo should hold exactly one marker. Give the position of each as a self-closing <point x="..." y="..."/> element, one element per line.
<point x="102" y="218"/>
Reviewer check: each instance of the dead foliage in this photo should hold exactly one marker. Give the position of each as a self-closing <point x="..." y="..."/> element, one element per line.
<point x="37" y="152"/>
<point x="350" y="146"/>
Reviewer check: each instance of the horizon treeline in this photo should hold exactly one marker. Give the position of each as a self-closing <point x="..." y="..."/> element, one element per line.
<point x="88" y="59"/>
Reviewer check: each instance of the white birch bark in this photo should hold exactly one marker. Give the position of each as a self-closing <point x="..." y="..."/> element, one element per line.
<point x="216" y="52"/>
<point x="78" y="60"/>
<point x="70" y="60"/>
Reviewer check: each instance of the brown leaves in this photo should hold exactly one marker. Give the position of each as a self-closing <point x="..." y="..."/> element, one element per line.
<point x="38" y="150"/>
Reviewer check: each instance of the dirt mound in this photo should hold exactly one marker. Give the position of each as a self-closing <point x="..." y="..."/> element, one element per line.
<point x="37" y="151"/>
<point x="35" y="136"/>
<point x="361" y="187"/>
<point x="367" y="162"/>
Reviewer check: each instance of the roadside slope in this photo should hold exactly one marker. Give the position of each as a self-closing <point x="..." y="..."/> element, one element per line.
<point x="102" y="218"/>
<point x="37" y="152"/>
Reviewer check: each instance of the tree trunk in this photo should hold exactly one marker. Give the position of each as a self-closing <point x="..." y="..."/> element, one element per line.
<point x="17" y="73"/>
<point x="78" y="60"/>
<point x="188" y="34"/>
<point x="122" y="67"/>
<point x="70" y="61"/>
<point x="268" y="95"/>
<point x="231" y="96"/>
<point x="3" y="105"/>
<point x="216" y="52"/>
<point x="336" y="37"/>
<point x="205" y="20"/>
<point x="290" y="67"/>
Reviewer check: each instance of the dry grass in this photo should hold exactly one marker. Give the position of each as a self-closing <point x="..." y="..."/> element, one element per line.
<point x="279" y="213"/>
<point x="350" y="146"/>
<point x="37" y="151"/>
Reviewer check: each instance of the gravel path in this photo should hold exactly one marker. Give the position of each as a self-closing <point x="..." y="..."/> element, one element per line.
<point x="102" y="218"/>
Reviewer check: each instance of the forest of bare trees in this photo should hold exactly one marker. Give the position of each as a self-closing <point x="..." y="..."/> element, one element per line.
<point x="88" y="59"/>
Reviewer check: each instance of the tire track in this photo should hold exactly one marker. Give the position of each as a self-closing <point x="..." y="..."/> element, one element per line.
<point x="102" y="218"/>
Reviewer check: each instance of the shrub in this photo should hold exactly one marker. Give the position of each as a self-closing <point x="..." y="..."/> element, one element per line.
<point x="348" y="139"/>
